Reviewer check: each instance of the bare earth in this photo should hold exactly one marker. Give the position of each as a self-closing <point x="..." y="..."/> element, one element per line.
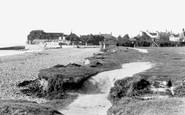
<point x="17" y="68"/>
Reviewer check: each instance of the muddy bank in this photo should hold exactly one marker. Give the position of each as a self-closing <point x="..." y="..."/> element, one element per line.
<point x="18" y="68"/>
<point x="57" y="81"/>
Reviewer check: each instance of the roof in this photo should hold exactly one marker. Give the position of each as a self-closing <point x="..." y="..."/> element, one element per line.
<point x="55" y="34"/>
<point x="72" y="35"/>
<point x="175" y="35"/>
<point x="106" y="36"/>
<point x="132" y="39"/>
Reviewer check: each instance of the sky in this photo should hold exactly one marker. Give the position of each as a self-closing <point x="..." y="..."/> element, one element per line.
<point x="19" y="17"/>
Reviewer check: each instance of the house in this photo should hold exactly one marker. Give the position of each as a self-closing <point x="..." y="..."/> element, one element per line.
<point x="39" y="36"/>
<point x="38" y="39"/>
<point x="153" y="36"/>
<point x="72" y="38"/>
<point x="174" y="38"/>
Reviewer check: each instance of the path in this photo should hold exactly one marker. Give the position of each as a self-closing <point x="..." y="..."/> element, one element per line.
<point x="98" y="104"/>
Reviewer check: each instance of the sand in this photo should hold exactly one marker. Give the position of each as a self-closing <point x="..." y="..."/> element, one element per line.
<point x="98" y="104"/>
<point x="17" y="68"/>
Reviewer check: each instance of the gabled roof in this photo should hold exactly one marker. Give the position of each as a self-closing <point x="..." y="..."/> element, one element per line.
<point x="72" y="35"/>
<point x="106" y="36"/>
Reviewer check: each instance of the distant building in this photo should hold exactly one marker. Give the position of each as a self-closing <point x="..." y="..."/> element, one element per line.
<point x="38" y="39"/>
<point x="39" y="36"/>
<point x="72" y="38"/>
<point x="174" y="38"/>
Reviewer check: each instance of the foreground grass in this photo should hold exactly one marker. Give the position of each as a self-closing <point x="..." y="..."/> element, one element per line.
<point x="170" y="63"/>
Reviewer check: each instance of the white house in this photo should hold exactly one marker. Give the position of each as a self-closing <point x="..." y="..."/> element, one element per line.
<point x="174" y="38"/>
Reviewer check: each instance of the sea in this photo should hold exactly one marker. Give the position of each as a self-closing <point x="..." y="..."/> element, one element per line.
<point x="13" y="52"/>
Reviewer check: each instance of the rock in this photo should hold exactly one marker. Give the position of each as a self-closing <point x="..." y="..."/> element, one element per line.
<point x="55" y="81"/>
<point x="18" y="107"/>
<point x="86" y="62"/>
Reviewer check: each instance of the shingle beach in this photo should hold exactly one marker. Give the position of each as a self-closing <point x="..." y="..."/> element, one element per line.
<point x="17" y="68"/>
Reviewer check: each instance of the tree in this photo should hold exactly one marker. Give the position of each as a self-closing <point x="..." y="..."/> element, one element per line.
<point x="95" y="39"/>
<point x="85" y="39"/>
<point x="143" y="40"/>
<point x="73" y="38"/>
<point x="48" y="37"/>
<point x="124" y="41"/>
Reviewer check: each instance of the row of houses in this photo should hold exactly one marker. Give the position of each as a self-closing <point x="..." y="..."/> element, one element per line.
<point x="153" y="39"/>
<point x="38" y="39"/>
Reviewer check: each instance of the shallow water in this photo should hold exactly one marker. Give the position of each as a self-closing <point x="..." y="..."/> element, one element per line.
<point x="10" y="52"/>
<point x="97" y="103"/>
<point x="15" y="52"/>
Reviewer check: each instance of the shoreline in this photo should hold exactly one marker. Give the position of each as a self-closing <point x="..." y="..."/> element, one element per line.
<point x="16" y="52"/>
<point x="12" y="47"/>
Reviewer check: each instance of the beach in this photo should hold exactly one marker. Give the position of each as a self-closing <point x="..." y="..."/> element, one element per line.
<point x="25" y="66"/>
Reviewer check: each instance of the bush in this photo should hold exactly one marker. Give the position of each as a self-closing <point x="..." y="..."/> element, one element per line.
<point x="129" y="87"/>
<point x="180" y="91"/>
<point x="124" y="41"/>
